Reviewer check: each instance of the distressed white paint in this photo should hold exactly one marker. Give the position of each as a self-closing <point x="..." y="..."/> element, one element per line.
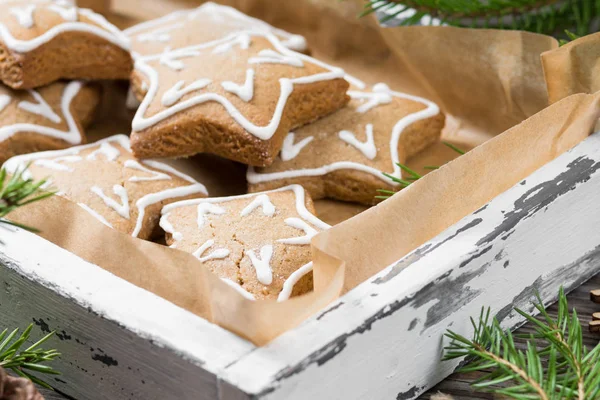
<point x="379" y="362"/>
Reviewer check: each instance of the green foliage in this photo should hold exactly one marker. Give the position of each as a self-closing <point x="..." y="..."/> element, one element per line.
<point x="22" y="361"/>
<point x="554" y="365"/>
<point x="17" y="191"/>
<point x="542" y="16"/>
<point x="412" y="175"/>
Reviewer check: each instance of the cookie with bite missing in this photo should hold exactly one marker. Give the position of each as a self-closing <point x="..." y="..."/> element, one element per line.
<point x="344" y="156"/>
<point x="42" y="41"/>
<point x="258" y="243"/>
<point x="109" y="183"/>
<point x="204" y="24"/>
<point x="48" y="118"/>
<point x="235" y="97"/>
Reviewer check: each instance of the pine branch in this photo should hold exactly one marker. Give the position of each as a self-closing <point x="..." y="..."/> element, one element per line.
<point x="17" y="191"/>
<point x="553" y="17"/>
<point x="30" y="359"/>
<point x="412" y="175"/>
<point x="563" y="369"/>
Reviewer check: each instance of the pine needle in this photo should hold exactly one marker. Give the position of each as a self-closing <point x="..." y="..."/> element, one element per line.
<point x="563" y="369"/>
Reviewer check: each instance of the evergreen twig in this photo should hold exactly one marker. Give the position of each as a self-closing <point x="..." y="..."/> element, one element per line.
<point x="17" y="191"/>
<point x="412" y="175"/>
<point x="562" y="369"/>
<point x="553" y="17"/>
<point x="22" y="361"/>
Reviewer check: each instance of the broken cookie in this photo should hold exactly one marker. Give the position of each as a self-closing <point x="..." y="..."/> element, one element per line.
<point x="105" y="180"/>
<point x="236" y="97"/>
<point x="258" y="243"/>
<point x="344" y="156"/>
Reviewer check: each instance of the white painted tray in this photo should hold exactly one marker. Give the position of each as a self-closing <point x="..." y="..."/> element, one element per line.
<point x="382" y="340"/>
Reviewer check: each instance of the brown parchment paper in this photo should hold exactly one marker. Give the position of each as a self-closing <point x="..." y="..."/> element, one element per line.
<point x="573" y="68"/>
<point x="485" y="81"/>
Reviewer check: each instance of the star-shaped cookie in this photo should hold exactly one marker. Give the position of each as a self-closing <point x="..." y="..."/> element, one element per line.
<point x="105" y="180"/>
<point x="46" y="118"/>
<point x="206" y="23"/>
<point x="236" y="97"/>
<point x="42" y="41"/>
<point x="258" y="243"/>
<point x="343" y="156"/>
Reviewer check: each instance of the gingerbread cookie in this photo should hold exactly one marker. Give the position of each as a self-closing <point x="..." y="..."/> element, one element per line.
<point x="42" y="41"/>
<point x="105" y="180"/>
<point x="46" y="118"/>
<point x="258" y="243"/>
<point x="343" y="156"/>
<point x="236" y="97"/>
<point x="206" y="23"/>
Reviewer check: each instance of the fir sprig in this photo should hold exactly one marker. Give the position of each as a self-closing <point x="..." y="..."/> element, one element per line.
<point x="17" y="191"/>
<point x="563" y="368"/>
<point x="22" y="361"/>
<point x="542" y="16"/>
<point x="412" y="175"/>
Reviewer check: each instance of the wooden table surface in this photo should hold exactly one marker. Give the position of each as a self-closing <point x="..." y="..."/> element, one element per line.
<point x="457" y="385"/>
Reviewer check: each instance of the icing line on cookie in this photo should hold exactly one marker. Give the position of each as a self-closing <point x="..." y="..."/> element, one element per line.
<point x="262" y="200"/>
<point x="367" y="147"/>
<point x="166" y="226"/>
<point x="156" y="176"/>
<point x="175" y="93"/>
<point x="103" y="29"/>
<point x="245" y="91"/>
<point x="68" y="13"/>
<point x="121" y="209"/>
<point x="5" y="100"/>
<point x="290" y="149"/>
<point x="24" y="14"/>
<point x="431" y="110"/>
<point x="239" y="289"/>
<point x="262" y="132"/>
<point x="262" y="265"/>
<point x="290" y="282"/>
<point x="95" y="214"/>
<point x="72" y="136"/>
<point x="298" y="223"/>
<point x="55" y="163"/>
<point x="105" y="148"/>
<point x="292" y="41"/>
<point x="40" y="108"/>
<point x="217" y="254"/>
<point x="207" y="208"/>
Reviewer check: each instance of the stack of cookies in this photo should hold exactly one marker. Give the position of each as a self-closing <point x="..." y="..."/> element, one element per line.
<point x="212" y="80"/>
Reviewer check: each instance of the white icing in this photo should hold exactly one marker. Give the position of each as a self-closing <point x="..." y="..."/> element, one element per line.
<point x="68" y="13"/>
<point x="159" y="35"/>
<point x="239" y="289"/>
<point x="55" y="163"/>
<point x="140" y="122"/>
<point x="262" y="200"/>
<point x="367" y="147"/>
<point x="72" y="136"/>
<point x="167" y="168"/>
<point x="111" y="153"/>
<point x="218" y="254"/>
<point x="291" y="150"/>
<point x="268" y="56"/>
<point x="156" y="176"/>
<point x="262" y="265"/>
<point x="207" y="208"/>
<point x="23" y="14"/>
<point x="95" y="214"/>
<point x="298" y="223"/>
<point x="245" y="91"/>
<point x="131" y="102"/>
<point x="243" y="40"/>
<point x="121" y="209"/>
<point x="380" y="95"/>
<point x="172" y="60"/>
<point x="166" y="226"/>
<point x="5" y="100"/>
<point x="431" y="110"/>
<point x="226" y="15"/>
<point x="40" y="108"/>
<point x="288" y="285"/>
<point x="175" y="93"/>
<point x="101" y="28"/>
